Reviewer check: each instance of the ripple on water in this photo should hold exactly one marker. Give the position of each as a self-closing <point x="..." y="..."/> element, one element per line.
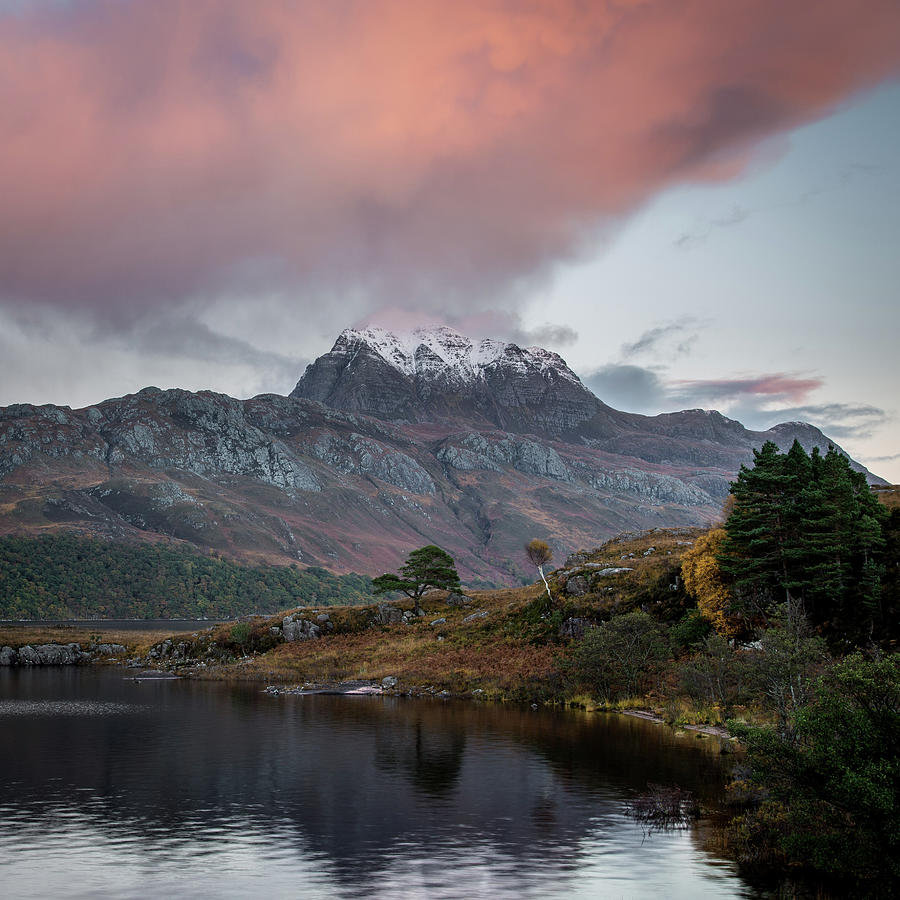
<point x="65" y="708"/>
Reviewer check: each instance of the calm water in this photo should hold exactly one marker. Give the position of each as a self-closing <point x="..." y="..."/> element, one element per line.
<point x="116" y="788"/>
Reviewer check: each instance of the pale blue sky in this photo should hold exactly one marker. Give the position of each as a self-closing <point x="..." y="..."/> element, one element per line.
<point x="793" y="268"/>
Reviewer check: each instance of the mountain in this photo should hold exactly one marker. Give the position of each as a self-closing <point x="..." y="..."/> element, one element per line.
<point x="387" y="442"/>
<point x="438" y="376"/>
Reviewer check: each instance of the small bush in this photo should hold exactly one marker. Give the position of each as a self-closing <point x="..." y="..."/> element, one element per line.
<point x="691" y="630"/>
<point x="240" y="635"/>
<point x="621" y="657"/>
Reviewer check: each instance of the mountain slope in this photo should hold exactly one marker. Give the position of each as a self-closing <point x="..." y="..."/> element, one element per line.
<point x="383" y="446"/>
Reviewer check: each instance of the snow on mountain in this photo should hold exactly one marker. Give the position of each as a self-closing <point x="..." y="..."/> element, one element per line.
<point x="442" y="352"/>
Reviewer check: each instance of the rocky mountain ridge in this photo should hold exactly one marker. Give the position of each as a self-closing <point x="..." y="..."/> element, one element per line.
<point x="381" y="448"/>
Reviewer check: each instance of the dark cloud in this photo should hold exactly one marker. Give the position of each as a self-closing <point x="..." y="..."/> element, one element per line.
<point x="893" y="457"/>
<point x="628" y="387"/>
<point x="757" y="402"/>
<point x="734" y="216"/>
<point x="182" y="336"/>
<point x="841" y="178"/>
<point x="550" y="336"/>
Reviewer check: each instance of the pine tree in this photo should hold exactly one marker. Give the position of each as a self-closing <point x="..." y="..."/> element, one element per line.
<point x="426" y="568"/>
<point x="758" y="549"/>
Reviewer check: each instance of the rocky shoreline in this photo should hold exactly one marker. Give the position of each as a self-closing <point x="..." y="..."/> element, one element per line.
<point x="53" y="654"/>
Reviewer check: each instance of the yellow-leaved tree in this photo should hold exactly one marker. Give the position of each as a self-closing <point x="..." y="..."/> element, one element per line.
<point x="704" y="582"/>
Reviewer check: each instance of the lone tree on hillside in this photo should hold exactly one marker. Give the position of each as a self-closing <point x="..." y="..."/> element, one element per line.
<point x="540" y="554"/>
<point x="426" y="568"/>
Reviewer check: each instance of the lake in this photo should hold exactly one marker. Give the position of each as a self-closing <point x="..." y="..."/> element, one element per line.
<point x="111" y="787"/>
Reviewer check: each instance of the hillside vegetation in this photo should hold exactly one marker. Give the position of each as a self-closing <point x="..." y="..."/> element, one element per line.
<point x="69" y="577"/>
<point x="506" y="644"/>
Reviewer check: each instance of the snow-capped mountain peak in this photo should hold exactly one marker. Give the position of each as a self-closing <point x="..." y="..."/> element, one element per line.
<point x="442" y="352"/>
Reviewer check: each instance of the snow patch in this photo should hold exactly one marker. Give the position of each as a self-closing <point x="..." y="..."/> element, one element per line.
<point x="442" y="352"/>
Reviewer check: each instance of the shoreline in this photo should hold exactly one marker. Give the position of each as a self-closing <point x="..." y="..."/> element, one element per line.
<point x="138" y="666"/>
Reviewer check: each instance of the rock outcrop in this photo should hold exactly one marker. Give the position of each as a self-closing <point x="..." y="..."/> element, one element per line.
<point x="43" y="655"/>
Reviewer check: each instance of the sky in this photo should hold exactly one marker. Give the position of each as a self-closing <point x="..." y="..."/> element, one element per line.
<point x="696" y="203"/>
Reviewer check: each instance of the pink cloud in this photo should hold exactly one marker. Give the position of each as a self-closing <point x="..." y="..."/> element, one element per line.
<point x="158" y="149"/>
<point x="783" y="387"/>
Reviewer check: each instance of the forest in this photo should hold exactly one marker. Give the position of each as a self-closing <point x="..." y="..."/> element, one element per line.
<point x="67" y="576"/>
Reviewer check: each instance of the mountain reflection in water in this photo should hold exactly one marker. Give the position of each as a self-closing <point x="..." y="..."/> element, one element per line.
<point x="114" y="788"/>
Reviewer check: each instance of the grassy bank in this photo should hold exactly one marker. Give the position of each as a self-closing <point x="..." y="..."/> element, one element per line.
<point x="138" y="643"/>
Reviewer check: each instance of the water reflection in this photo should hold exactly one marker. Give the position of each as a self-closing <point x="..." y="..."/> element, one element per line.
<point x="428" y="753"/>
<point x="219" y="791"/>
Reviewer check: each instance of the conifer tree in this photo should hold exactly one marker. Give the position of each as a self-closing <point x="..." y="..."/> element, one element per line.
<point x="807" y="529"/>
<point x="426" y="568"/>
<point x="758" y="546"/>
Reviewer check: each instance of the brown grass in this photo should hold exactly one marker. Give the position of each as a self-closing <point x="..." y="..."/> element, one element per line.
<point x="456" y="655"/>
<point x="136" y="641"/>
<point x="889" y="494"/>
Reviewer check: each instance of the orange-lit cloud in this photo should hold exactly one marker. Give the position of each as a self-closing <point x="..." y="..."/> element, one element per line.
<point x="414" y="149"/>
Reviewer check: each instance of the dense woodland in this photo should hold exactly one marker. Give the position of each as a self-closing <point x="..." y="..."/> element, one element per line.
<point x="66" y="576"/>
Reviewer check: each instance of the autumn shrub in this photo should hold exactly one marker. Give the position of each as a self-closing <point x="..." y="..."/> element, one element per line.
<point x="704" y="581"/>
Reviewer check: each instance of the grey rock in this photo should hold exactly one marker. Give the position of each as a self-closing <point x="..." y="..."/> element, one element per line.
<point x="8" y="656"/>
<point x="613" y="570"/>
<point x="28" y="656"/>
<point x="458" y="600"/>
<point x="438" y="622"/>
<point x="577" y="586"/>
<point x="57" y="654"/>
<point x="650" y="486"/>
<point x="522" y="454"/>
<point x="290" y="629"/>
<point x="111" y="649"/>
<point x="360" y="455"/>
<point x="573" y="560"/>
<point x="295" y="628"/>
<point x="476" y="615"/>
<point x="389" y="682"/>
<point x="389" y="615"/>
